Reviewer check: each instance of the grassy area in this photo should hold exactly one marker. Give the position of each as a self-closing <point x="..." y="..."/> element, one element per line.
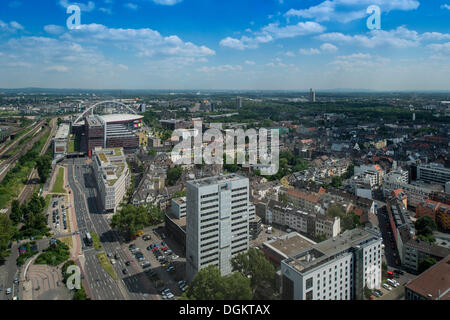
<point x="59" y="182"/>
<point x="96" y="241"/>
<point x="106" y="264"/>
<point x="67" y="241"/>
<point x="71" y="145"/>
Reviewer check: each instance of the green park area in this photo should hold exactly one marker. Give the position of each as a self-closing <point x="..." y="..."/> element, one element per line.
<point x="106" y="264"/>
<point x="58" y="187"/>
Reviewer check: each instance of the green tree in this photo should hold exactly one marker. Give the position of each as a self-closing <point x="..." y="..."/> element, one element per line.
<point x="44" y="166"/>
<point x="130" y="219"/>
<point x="6" y="233"/>
<point x="209" y="284"/>
<point x="156" y="215"/>
<point x="152" y="152"/>
<point x="80" y="294"/>
<point x="16" y="211"/>
<point x="254" y="265"/>
<point x="173" y="175"/>
<point x="424" y="229"/>
<point x="426" y="264"/>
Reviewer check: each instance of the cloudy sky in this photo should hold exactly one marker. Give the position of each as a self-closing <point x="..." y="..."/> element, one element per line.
<point x="232" y="44"/>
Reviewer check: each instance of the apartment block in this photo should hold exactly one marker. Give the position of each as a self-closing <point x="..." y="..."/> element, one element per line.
<point x="217" y="222"/>
<point x="112" y="175"/>
<point x="433" y="173"/>
<point x="178" y="207"/>
<point x="335" y="269"/>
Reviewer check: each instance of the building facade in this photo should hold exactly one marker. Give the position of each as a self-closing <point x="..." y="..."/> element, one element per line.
<point x="335" y="269"/>
<point x="112" y="175"/>
<point x="217" y="222"/>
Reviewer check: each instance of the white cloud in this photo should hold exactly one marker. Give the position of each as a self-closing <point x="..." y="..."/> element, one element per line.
<point x="358" y="61"/>
<point x="83" y="6"/>
<point x="222" y="68"/>
<point x="54" y="29"/>
<point x="445" y="6"/>
<point x="290" y="54"/>
<point x="271" y="33"/>
<point x="105" y="10"/>
<point x="57" y="68"/>
<point x="249" y="62"/>
<point x="122" y="67"/>
<point x="144" y="42"/>
<point x="440" y="47"/>
<point x="131" y="6"/>
<point x="10" y="28"/>
<point x="349" y="10"/>
<point x="328" y="47"/>
<point x="309" y="52"/>
<point x="397" y="38"/>
<point x="167" y="2"/>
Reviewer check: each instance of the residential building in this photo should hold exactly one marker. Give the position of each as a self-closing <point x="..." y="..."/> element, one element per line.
<point x="335" y="269"/>
<point x="439" y="212"/>
<point x="433" y="173"/>
<point x="433" y="284"/>
<point x="217" y="222"/>
<point x="112" y="175"/>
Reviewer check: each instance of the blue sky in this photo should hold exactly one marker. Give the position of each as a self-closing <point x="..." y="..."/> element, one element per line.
<point x="233" y="44"/>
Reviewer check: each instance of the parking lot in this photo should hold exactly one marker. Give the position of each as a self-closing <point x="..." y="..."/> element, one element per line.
<point x="58" y="219"/>
<point x="165" y="269"/>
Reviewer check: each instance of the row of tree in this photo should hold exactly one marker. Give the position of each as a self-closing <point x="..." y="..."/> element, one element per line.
<point x="130" y="219"/>
<point x="252" y="275"/>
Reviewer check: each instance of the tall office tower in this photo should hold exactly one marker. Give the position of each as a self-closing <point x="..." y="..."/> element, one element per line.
<point x="312" y="95"/>
<point x="217" y="222"/>
<point x="238" y="103"/>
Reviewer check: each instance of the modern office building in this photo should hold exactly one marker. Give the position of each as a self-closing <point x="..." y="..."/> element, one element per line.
<point x="111" y="131"/>
<point x="312" y="95"/>
<point x="238" y="103"/>
<point x="112" y="175"/>
<point x="178" y="207"/>
<point x="61" y="141"/>
<point x="217" y="222"/>
<point x="335" y="269"/>
<point x="433" y="173"/>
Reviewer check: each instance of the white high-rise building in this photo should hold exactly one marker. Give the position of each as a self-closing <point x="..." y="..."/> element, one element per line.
<point x="312" y="95"/>
<point x="217" y="222"/>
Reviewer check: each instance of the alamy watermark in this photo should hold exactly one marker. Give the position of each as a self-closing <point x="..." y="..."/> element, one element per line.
<point x="74" y="280"/>
<point x="259" y="149"/>
<point x="374" y="20"/>
<point x="74" y="21"/>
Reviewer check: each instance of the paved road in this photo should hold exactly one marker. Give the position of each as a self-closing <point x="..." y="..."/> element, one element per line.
<point x="89" y="218"/>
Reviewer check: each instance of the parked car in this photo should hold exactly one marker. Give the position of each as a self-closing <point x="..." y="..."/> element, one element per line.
<point x="387" y="287"/>
<point x="146" y="265"/>
<point x="149" y="248"/>
<point x="8" y="291"/>
<point x="400" y="272"/>
<point x="175" y="257"/>
<point x="124" y="271"/>
<point x="127" y="263"/>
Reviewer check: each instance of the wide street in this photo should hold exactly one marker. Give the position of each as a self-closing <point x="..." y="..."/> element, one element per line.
<point x="90" y="219"/>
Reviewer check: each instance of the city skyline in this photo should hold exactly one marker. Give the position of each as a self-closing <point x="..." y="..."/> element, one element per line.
<point x="189" y="45"/>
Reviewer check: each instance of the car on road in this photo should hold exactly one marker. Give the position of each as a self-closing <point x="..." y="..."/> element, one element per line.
<point x="175" y="257"/>
<point x="127" y="263"/>
<point x="387" y="287"/>
<point x="124" y="271"/>
<point x="8" y="291"/>
<point x="146" y="237"/>
<point x="113" y="261"/>
<point x="149" y="248"/>
<point x="145" y="265"/>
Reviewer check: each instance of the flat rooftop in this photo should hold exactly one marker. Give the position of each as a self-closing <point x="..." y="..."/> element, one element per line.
<point x="436" y="278"/>
<point x="290" y="244"/>
<point x="329" y="249"/>
<point x="216" y="180"/>
<point x="180" y="201"/>
<point x="63" y="131"/>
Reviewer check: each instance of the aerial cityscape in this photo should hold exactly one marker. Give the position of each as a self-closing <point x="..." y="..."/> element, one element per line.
<point x="220" y="150"/>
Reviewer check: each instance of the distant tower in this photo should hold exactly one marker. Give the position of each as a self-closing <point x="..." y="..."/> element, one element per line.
<point x="238" y="103"/>
<point x="312" y="95"/>
<point x="414" y="116"/>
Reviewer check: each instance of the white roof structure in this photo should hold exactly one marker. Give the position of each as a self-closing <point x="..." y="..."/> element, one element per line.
<point x="109" y="118"/>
